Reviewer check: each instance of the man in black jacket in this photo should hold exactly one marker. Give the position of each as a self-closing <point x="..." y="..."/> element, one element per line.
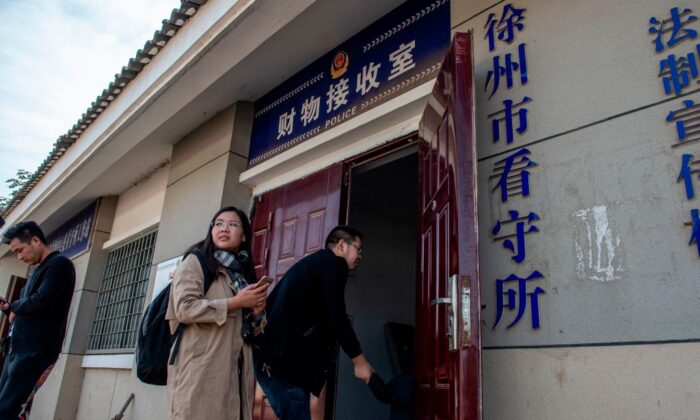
<point x="38" y="317"/>
<point x="306" y="318"/>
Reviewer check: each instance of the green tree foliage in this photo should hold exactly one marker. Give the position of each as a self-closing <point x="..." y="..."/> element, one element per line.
<point x="15" y="185"/>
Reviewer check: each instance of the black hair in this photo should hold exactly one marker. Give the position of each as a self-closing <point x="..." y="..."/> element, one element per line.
<point x="2" y="222"/>
<point x="24" y="232"/>
<point x="208" y="248"/>
<point x="347" y="233"/>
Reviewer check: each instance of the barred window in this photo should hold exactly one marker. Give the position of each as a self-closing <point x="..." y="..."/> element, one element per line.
<point x="121" y="298"/>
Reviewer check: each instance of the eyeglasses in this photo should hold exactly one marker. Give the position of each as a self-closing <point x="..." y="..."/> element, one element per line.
<point x="219" y="224"/>
<point x="358" y="248"/>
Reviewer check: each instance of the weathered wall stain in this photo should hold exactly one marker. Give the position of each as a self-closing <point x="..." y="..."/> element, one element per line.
<point x="598" y="251"/>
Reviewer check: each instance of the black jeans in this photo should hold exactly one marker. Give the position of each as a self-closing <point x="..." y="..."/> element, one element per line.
<point x="19" y="376"/>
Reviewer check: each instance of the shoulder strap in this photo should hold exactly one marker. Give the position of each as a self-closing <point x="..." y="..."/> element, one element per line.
<point x="208" y="275"/>
<point x="176" y="343"/>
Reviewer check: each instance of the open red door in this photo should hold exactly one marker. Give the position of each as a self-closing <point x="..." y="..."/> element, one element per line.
<point x="448" y="358"/>
<point x="288" y="223"/>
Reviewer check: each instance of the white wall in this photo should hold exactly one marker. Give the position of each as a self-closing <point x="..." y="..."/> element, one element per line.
<point x="139" y="207"/>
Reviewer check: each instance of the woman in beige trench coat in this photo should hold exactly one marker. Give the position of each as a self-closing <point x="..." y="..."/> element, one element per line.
<point x="212" y="377"/>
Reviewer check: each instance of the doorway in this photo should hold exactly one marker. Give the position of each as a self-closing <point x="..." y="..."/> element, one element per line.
<point x="421" y="252"/>
<point x="381" y="294"/>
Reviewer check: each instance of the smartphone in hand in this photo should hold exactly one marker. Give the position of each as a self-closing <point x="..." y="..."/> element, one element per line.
<point x="266" y="279"/>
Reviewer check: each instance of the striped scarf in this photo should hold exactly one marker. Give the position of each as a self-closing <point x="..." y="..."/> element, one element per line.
<point x="234" y="263"/>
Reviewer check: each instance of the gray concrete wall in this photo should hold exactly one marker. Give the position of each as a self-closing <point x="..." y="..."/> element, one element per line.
<point x="612" y="246"/>
<point x="203" y="177"/>
<point x="619" y="382"/>
<point x="105" y="391"/>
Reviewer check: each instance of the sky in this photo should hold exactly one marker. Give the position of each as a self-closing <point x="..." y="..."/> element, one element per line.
<point x="56" y="57"/>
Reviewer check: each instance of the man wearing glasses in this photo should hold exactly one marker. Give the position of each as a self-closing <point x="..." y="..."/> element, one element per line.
<point x="306" y="317"/>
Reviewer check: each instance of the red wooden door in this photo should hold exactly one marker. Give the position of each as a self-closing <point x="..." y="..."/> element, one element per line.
<point x="448" y="357"/>
<point x="289" y="223"/>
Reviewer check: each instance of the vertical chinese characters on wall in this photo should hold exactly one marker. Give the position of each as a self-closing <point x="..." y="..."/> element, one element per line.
<point x="510" y="179"/>
<point x="675" y="37"/>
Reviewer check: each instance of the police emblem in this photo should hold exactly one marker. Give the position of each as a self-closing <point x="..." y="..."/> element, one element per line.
<point x="340" y="64"/>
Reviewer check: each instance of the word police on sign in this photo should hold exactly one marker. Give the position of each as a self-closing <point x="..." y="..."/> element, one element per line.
<point x="395" y="54"/>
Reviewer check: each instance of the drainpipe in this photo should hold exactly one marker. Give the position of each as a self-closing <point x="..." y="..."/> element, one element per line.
<point x="120" y="415"/>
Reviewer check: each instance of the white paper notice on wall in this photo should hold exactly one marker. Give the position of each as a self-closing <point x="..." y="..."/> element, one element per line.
<point x="598" y="252"/>
<point x="164" y="275"/>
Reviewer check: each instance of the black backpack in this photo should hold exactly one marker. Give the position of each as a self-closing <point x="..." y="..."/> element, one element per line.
<point x="154" y="340"/>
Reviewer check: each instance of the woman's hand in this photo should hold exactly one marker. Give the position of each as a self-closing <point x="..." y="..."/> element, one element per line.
<point x="251" y="296"/>
<point x="259" y="309"/>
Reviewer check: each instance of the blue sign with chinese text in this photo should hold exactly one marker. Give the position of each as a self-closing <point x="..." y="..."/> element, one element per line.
<point x="395" y="54"/>
<point x="73" y="237"/>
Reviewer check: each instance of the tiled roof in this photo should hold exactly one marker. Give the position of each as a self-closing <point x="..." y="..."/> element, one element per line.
<point x="178" y="18"/>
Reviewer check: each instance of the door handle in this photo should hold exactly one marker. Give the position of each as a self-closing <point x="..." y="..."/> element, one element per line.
<point x="450" y="301"/>
<point x="441" y="301"/>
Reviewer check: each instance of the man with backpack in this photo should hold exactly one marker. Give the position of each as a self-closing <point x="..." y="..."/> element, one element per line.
<point x="38" y="317"/>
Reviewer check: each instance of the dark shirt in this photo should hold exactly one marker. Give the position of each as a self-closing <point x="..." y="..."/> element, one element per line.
<point x="41" y="312"/>
<point x="306" y="317"/>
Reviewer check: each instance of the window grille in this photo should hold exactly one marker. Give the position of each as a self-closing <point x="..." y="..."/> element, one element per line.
<point x="121" y="298"/>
